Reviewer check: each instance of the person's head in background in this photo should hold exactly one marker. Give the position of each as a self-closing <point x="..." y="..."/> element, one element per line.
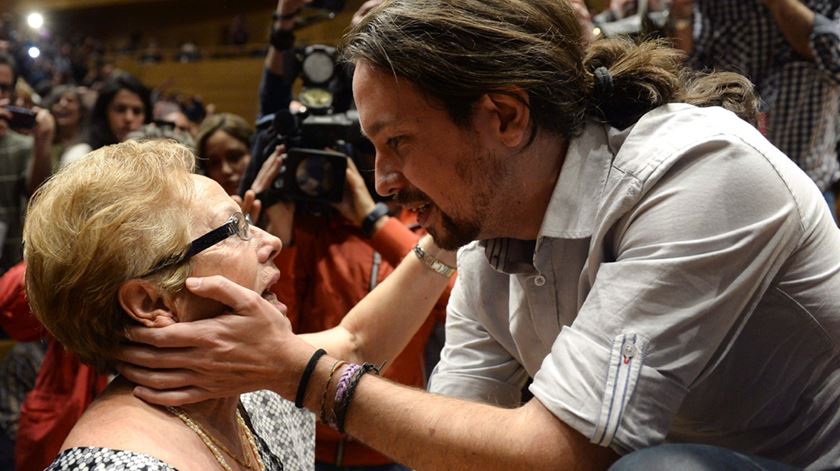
<point x="223" y="145"/>
<point x="65" y="104"/>
<point x="8" y="76"/>
<point x="123" y="105"/>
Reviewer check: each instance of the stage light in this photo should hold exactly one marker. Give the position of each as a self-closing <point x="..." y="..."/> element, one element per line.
<point x="34" y="52"/>
<point x="35" y="20"/>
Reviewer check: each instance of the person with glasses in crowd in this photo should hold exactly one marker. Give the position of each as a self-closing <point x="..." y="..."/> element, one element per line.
<point x="110" y="241"/>
<point x="659" y="270"/>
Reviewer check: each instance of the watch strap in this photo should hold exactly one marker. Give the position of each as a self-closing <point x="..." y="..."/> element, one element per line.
<point x="379" y="211"/>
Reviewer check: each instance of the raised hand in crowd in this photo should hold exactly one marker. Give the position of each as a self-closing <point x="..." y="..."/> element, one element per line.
<point x="40" y="167"/>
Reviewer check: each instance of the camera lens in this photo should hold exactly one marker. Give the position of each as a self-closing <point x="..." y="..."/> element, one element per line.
<point x="314" y="176"/>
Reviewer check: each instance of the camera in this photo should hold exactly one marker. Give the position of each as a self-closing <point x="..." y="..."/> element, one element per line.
<point x="22" y="118"/>
<point x="310" y="174"/>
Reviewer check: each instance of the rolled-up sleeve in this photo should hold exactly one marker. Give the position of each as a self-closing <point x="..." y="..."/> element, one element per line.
<point x="825" y="44"/>
<point x="693" y="258"/>
<point x="473" y="365"/>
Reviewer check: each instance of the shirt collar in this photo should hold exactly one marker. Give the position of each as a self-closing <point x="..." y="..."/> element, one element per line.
<point x="574" y="202"/>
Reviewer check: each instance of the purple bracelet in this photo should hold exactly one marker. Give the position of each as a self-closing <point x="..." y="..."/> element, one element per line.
<point x="341" y="390"/>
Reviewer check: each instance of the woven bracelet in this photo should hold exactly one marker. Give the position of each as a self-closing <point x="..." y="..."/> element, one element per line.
<point x="344" y="406"/>
<point x="307" y="374"/>
<point x="341" y="391"/>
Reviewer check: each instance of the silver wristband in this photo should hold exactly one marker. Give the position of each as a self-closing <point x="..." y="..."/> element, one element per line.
<point x="434" y="264"/>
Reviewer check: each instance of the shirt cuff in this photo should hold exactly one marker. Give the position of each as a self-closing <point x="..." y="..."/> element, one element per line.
<point x="606" y="392"/>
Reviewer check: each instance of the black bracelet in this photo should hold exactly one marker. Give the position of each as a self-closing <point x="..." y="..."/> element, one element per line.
<point x="307" y="374"/>
<point x="287" y="16"/>
<point x="379" y="211"/>
<point x="281" y="39"/>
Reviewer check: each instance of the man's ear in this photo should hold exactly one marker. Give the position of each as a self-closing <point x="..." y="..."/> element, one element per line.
<point x="146" y="304"/>
<point x="508" y="114"/>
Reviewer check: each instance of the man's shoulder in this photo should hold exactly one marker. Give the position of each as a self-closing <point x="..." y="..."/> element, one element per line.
<point x="14" y="142"/>
<point x="668" y="133"/>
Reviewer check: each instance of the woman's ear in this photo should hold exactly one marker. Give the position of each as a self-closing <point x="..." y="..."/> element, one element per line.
<point x="146" y="304"/>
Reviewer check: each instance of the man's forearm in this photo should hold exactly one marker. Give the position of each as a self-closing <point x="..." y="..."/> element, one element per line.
<point x="796" y="22"/>
<point x="429" y="432"/>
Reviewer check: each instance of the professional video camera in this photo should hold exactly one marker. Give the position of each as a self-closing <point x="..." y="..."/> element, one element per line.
<point x="311" y="174"/>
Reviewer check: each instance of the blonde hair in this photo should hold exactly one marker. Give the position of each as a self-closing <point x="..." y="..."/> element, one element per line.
<point x="105" y="219"/>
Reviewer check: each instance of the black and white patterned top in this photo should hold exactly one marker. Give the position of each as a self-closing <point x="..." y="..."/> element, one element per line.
<point x="285" y="437"/>
<point x="802" y="96"/>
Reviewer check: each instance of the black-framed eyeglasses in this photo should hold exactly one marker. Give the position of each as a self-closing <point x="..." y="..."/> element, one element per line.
<point x="238" y="225"/>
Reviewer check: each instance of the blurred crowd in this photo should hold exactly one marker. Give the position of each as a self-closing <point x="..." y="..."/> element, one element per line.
<point x="80" y="102"/>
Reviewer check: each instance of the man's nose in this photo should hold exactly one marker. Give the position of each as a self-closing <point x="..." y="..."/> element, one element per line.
<point x="389" y="178"/>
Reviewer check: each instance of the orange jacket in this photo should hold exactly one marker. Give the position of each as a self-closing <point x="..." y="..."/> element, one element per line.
<point x="330" y="267"/>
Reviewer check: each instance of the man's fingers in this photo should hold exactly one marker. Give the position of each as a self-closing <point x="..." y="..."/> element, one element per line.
<point x="151" y="357"/>
<point x="158" y="379"/>
<point x="172" y="336"/>
<point x="177" y="397"/>
<point x="219" y="288"/>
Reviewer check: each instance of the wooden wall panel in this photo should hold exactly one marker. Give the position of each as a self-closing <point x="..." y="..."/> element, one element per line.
<point x="230" y="84"/>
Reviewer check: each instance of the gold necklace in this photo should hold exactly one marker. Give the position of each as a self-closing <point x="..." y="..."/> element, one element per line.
<point x="216" y="447"/>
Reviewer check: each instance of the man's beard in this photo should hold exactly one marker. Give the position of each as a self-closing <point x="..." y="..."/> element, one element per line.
<point x="453" y="234"/>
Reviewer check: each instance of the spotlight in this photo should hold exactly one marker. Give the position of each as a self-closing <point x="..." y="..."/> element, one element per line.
<point x="35" y="20"/>
<point x="34" y="52"/>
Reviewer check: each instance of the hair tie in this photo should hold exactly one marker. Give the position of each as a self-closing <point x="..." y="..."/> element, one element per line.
<point x="603" y="84"/>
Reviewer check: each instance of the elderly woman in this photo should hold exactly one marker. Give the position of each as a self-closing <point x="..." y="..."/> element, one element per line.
<point x="109" y="243"/>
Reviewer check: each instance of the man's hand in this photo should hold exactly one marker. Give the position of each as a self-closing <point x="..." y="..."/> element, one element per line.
<point x="40" y="167"/>
<point x="356" y="203"/>
<point x="44" y="129"/>
<point x="584" y="19"/>
<point x="250" y="349"/>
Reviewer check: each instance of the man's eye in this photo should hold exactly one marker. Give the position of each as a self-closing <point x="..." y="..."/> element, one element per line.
<point x="394" y="142"/>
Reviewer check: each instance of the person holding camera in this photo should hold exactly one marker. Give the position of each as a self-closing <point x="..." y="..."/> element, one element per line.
<point x="334" y="256"/>
<point x="661" y="271"/>
<point x="24" y="161"/>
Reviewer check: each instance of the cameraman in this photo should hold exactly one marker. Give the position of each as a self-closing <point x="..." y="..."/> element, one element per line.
<point x="330" y="262"/>
<point x="24" y="163"/>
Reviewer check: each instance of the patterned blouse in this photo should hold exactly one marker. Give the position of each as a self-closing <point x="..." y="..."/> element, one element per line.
<point x="285" y="437"/>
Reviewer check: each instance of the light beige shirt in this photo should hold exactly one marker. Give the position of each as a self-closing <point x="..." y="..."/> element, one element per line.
<point x="685" y="287"/>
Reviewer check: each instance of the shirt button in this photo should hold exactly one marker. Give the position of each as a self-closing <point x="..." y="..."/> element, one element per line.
<point x="539" y="280"/>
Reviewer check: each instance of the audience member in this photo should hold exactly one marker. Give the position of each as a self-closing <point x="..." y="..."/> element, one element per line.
<point x="223" y="148"/>
<point x="790" y="49"/>
<point x="659" y="269"/>
<point x="24" y="165"/>
<point x="65" y="104"/>
<point x="122" y="106"/>
<point x="86" y="284"/>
